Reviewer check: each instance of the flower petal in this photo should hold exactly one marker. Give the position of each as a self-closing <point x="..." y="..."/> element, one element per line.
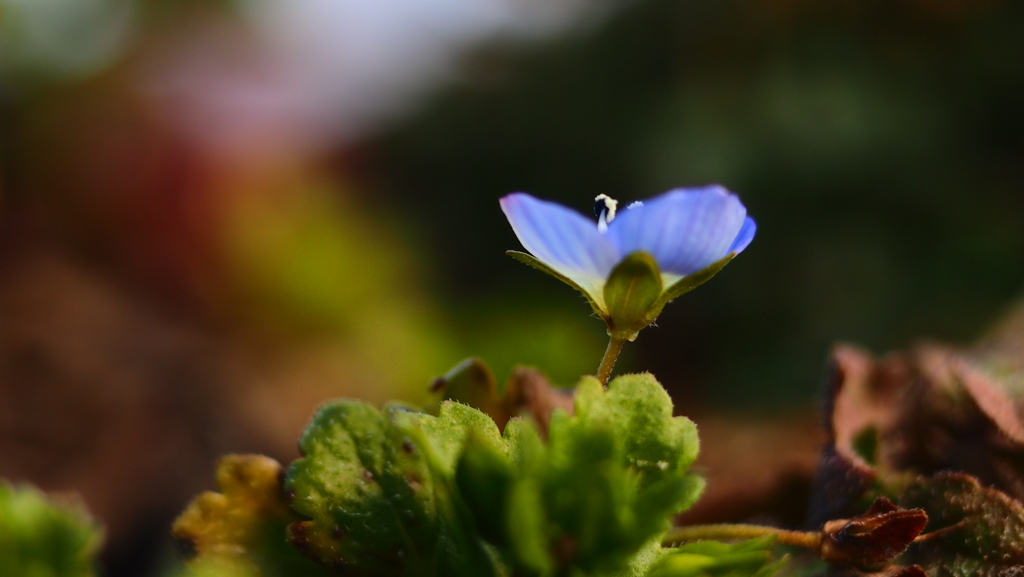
<point x="685" y="230"/>
<point x="562" y="238"/>
<point x="745" y="236"/>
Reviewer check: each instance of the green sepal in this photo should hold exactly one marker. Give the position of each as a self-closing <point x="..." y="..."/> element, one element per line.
<point x="632" y="288"/>
<point x="530" y="260"/>
<point x="685" y="285"/>
<point x="629" y="302"/>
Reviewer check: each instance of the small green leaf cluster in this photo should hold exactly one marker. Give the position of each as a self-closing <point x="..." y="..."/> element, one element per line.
<point x="398" y="492"/>
<point x="42" y="537"/>
<point x="606" y="482"/>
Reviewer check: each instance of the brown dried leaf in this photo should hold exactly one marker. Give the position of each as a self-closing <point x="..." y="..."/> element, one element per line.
<point x="992" y="400"/>
<point x="931" y="409"/>
<point x="528" y="389"/>
<point x="870" y="541"/>
<point x="862" y="402"/>
<point x="472" y="383"/>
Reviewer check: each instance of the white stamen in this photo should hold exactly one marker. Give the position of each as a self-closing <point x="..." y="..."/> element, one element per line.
<point x="634" y="204"/>
<point x="604" y="209"/>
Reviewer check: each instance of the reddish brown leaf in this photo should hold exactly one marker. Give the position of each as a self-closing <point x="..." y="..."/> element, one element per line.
<point x="934" y="408"/>
<point x="527" y="391"/>
<point x="870" y="541"/>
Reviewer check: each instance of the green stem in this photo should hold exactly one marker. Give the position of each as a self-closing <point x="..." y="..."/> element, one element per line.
<point x="611" y="354"/>
<point x="730" y="532"/>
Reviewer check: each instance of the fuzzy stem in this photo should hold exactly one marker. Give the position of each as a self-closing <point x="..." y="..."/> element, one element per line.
<point x="731" y="532"/>
<point x="611" y="354"/>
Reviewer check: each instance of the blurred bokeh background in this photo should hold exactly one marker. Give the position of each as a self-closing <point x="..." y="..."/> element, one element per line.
<point x="216" y="214"/>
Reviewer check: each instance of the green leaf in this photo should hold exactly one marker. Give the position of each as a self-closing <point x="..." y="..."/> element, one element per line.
<point x="485" y="475"/>
<point x="712" y="559"/>
<point x="632" y="288"/>
<point x="643" y="561"/>
<point x="41" y="536"/>
<point x="606" y="483"/>
<point x="530" y="260"/>
<point x="527" y="524"/>
<point x="378" y="489"/>
<point x="977" y="530"/>
<point x="241" y="530"/>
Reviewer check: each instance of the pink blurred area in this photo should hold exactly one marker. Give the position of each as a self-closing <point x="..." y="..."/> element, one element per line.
<point x="187" y="266"/>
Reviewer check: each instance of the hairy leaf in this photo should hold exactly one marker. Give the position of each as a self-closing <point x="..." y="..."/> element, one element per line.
<point x="606" y="482"/>
<point x="377" y="489"/>
<point x="931" y="409"/>
<point x="974" y="530"/>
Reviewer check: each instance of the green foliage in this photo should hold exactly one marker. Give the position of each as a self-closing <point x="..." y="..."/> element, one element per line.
<point x="41" y="537"/>
<point x="376" y="486"/>
<point x="240" y="532"/>
<point x="712" y="559"/>
<point x="397" y="492"/>
<point x="606" y="482"/>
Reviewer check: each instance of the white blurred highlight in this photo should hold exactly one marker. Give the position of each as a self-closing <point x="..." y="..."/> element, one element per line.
<point x="314" y="72"/>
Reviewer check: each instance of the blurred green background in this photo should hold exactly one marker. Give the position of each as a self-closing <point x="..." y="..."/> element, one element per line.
<point x="214" y="215"/>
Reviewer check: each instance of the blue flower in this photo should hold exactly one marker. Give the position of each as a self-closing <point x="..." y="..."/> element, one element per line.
<point x="676" y="241"/>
